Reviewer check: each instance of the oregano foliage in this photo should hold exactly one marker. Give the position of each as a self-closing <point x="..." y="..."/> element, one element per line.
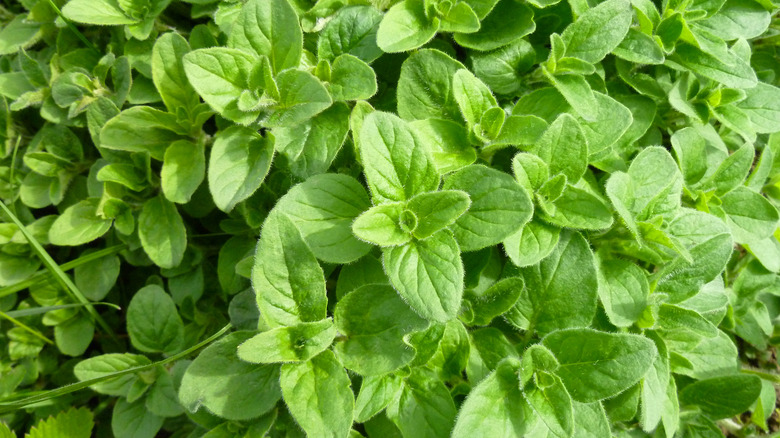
<point x="389" y="218"/>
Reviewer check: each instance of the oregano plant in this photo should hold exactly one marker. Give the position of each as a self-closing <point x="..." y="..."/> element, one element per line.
<point x="389" y="218"/>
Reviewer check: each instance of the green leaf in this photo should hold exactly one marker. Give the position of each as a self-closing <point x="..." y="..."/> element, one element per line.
<point x="553" y="404"/>
<point x="722" y="397"/>
<point x="351" y="79"/>
<point x="107" y="364"/>
<point x="162" y="233"/>
<point x="141" y="129"/>
<point x="495" y="300"/>
<point x="425" y="89"/>
<point x="653" y="187"/>
<point x="101" y="12"/>
<point x="596" y="365"/>
<point x="598" y="31"/>
<point x="78" y="224"/>
<point x="352" y="30"/>
<point x="269" y="28"/>
<point x="623" y="290"/>
<point x="375" y="394"/>
<point x="732" y="171"/>
<point x="386" y="225"/>
<point x="532" y="243"/>
<point x="577" y="92"/>
<point x="168" y="73"/>
<point x="132" y="420"/>
<point x="580" y="208"/>
<point x="73" y="423"/>
<point x="220" y="75"/>
<point x="732" y="71"/>
<point x="318" y="395"/>
<point x="508" y="21"/>
<point x="323" y="208"/>
<point x="501" y="69"/>
<point x="448" y="142"/>
<point x="240" y="159"/>
<point x="396" y="164"/>
<point x="312" y="146"/>
<point x="19" y="33"/>
<point x="499" y="206"/>
<point x="737" y="19"/>
<point x="750" y="216"/>
<point x="228" y="387"/>
<point x="405" y="26"/>
<point x="437" y="210"/>
<point x="762" y="106"/>
<point x="564" y="149"/>
<point x="424" y="408"/>
<point x="710" y="245"/>
<point x="153" y="321"/>
<point x="473" y="97"/>
<point x="495" y="407"/>
<point x="460" y="18"/>
<point x="374" y="321"/>
<point x="549" y="301"/>
<point x="184" y="167"/>
<point x="302" y="96"/>
<point x="639" y="48"/>
<point x="428" y="274"/>
<point x="289" y="344"/>
<point x="612" y="119"/>
<point x="289" y="282"/>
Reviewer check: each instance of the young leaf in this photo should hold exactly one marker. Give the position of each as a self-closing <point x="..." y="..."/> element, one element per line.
<point x="318" y="394"/>
<point x="437" y="210"/>
<point x="386" y="225"/>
